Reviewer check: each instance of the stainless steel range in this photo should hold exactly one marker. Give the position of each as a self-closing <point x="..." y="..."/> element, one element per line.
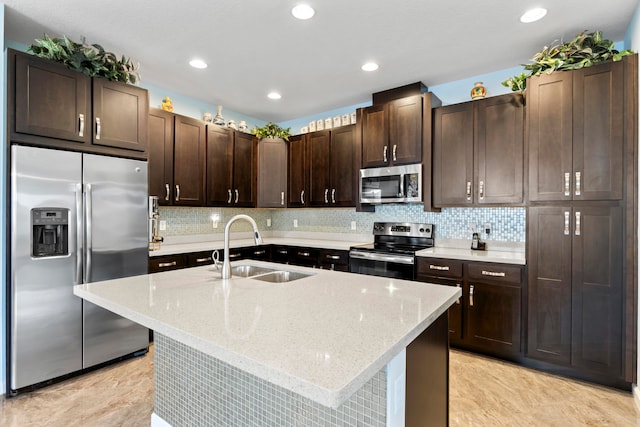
<point x="392" y="253"/>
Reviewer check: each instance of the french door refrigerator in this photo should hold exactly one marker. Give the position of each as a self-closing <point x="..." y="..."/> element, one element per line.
<point x="75" y="218"/>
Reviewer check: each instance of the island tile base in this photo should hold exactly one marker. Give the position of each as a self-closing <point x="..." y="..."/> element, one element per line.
<point x="192" y="388"/>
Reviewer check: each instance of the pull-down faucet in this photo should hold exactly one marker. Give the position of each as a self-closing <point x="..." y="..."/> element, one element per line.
<point x="226" y="265"/>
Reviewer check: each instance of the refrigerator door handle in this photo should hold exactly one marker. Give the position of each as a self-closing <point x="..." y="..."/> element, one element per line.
<point x="79" y="245"/>
<point x="87" y="218"/>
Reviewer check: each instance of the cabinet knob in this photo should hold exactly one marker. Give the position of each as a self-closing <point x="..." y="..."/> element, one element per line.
<point x="282" y="198"/>
<point x="237" y="196"/>
<point x="333" y="195"/>
<point x="578" y="231"/>
<point x="469" y="190"/>
<point x="302" y="197"/>
<point x="567" y="224"/>
<point x="167" y="264"/>
<point x="481" y="190"/>
<point x="326" y="195"/>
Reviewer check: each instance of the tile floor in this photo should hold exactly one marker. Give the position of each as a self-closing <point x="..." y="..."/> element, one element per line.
<point x="483" y="392"/>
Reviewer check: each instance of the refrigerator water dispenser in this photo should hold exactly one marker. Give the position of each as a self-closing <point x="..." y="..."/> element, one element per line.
<point x="50" y="232"/>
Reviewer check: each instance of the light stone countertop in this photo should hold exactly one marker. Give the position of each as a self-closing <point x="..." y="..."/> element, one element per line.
<point x="506" y="257"/>
<point x="323" y="336"/>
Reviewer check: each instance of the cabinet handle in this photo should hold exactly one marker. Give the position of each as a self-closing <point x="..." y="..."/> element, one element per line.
<point x="567" y="184"/>
<point x="302" y="197"/>
<point x="237" y="195"/>
<point x="458" y="286"/>
<point x="304" y="254"/>
<point x="326" y="195"/>
<point x="81" y="130"/>
<point x="283" y="251"/>
<point x="262" y="252"/>
<point x="230" y="195"/>
<point x="493" y="273"/>
<point x="167" y="264"/>
<point x="177" y="193"/>
<point x="167" y="190"/>
<point x="578" y="232"/>
<point x="98" y="127"/>
<point x="207" y="259"/>
<point x="578" y="183"/>
<point x="395" y="149"/>
<point x="384" y="153"/>
<point x="438" y="267"/>
<point x="469" y="190"/>
<point x="481" y="190"/>
<point x="470" y="295"/>
<point x="335" y="257"/>
<point x="333" y="195"/>
<point x="567" y="224"/>
<point x="282" y="198"/>
<point x="231" y="256"/>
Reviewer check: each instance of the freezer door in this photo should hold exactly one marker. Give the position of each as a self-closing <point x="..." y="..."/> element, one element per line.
<point x="45" y="326"/>
<point x="116" y="246"/>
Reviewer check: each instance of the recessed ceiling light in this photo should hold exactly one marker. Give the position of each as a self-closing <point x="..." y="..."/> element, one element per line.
<point x="370" y="66"/>
<point x="274" y="95"/>
<point x="533" y="15"/>
<point x="303" y="11"/>
<point x="198" y="63"/>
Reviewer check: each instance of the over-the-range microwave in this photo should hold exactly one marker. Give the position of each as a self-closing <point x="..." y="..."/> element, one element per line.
<point x="394" y="184"/>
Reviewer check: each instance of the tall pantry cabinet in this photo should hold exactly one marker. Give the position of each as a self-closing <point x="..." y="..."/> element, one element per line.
<point x="582" y="220"/>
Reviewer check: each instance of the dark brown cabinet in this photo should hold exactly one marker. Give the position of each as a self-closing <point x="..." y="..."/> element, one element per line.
<point x="392" y="132"/>
<point x="272" y="173"/>
<point x="576" y="134"/>
<point x="576" y="287"/>
<point x="176" y="159"/>
<point x="167" y="262"/>
<point x="333" y="259"/>
<point x="231" y="167"/>
<point x="478" y="152"/>
<point x="54" y="106"/>
<point x="298" y="177"/>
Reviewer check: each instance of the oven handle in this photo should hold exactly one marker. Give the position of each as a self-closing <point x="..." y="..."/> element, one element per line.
<point x="372" y="256"/>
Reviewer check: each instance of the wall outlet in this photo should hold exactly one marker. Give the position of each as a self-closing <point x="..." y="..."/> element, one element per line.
<point x="353" y="225"/>
<point x="472" y="228"/>
<point x="268" y="222"/>
<point x="295" y="223"/>
<point x="163" y="225"/>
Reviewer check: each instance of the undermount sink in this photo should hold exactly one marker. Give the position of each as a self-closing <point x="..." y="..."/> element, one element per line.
<point x="249" y="270"/>
<point x="281" y="276"/>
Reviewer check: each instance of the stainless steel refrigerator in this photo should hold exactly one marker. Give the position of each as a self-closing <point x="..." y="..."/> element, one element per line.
<point x="75" y="218"/>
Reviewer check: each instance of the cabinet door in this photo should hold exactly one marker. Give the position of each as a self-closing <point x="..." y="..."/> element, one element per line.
<point x="244" y="169"/>
<point x="160" y="124"/>
<point x="455" y="311"/>
<point x="318" y="154"/>
<point x="219" y="166"/>
<point x="297" y="163"/>
<point x="189" y="161"/>
<point x="343" y="172"/>
<point x="550" y="131"/>
<point x="272" y="173"/>
<point x="120" y="115"/>
<point x="598" y="132"/>
<point x="51" y="100"/>
<point x="453" y="155"/>
<point x="499" y="145"/>
<point x="549" y="302"/>
<point x="405" y="130"/>
<point x="597" y="315"/>
<point x="375" y="136"/>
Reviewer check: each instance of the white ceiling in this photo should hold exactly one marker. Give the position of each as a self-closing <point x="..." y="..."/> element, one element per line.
<point x="256" y="46"/>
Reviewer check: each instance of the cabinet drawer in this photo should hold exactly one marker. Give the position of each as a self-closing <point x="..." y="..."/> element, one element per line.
<point x="166" y="263"/>
<point x="307" y="257"/>
<point x="495" y="273"/>
<point x="328" y="256"/>
<point x="439" y="267"/>
<point x="195" y="259"/>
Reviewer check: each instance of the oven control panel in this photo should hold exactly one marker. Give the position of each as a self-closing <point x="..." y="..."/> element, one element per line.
<point x="407" y="229"/>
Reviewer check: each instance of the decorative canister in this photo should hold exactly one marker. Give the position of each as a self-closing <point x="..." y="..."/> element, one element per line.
<point x="336" y="122"/>
<point x="312" y="126"/>
<point x="478" y="91"/>
<point x="345" y="119"/>
<point x="218" y="119"/>
<point x="353" y="118"/>
<point x="328" y="123"/>
<point x="242" y="126"/>
<point x="320" y="124"/>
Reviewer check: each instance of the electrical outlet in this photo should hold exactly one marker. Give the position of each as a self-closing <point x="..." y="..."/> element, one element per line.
<point x="268" y="222"/>
<point x="295" y="223"/>
<point x="163" y="225"/>
<point x="353" y="225"/>
<point x="472" y="228"/>
<point x="487" y="228"/>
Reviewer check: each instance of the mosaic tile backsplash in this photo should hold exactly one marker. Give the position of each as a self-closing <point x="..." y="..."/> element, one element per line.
<point x="507" y="224"/>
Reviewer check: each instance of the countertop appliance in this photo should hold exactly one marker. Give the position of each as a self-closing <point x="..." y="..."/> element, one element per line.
<point x="75" y="218"/>
<point x="395" y="184"/>
<point x="392" y="253"/>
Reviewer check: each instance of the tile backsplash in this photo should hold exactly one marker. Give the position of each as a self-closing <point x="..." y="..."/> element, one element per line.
<point x="507" y="224"/>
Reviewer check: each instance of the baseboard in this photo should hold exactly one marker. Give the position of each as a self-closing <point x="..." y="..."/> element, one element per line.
<point x="156" y="421"/>
<point x="636" y="395"/>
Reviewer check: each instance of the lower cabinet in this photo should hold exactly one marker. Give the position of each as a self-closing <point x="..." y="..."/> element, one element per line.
<point x="166" y="263"/>
<point x="332" y="259"/>
<point x="303" y="256"/>
<point x="488" y="317"/>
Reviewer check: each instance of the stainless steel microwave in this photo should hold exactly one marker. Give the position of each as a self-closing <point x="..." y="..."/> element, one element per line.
<point x="395" y="184"/>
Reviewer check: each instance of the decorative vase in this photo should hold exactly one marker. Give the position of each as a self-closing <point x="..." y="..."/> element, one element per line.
<point x="218" y="119"/>
<point x="478" y="91"/>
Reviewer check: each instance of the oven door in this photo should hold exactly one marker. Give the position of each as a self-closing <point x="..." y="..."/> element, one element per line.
<point x="384" y="265"/>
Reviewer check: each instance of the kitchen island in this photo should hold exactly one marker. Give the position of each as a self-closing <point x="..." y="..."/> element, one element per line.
<point x="330" y="348"/>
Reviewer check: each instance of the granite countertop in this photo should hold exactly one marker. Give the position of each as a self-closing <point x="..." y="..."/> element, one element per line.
<point x="322" y="336"/>
<point x="506" y="257"/>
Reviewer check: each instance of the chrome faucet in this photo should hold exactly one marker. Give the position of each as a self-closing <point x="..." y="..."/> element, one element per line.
<point x="226" y="265"/>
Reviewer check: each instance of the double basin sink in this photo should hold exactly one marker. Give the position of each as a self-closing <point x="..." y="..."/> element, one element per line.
<point x="266" y="274"/>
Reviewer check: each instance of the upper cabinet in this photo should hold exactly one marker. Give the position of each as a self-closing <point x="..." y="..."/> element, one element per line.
<point x="272" y="173"/>
<point x="161" y="131"/>
<point x="298" y="177"/>
<point x="576" y="134"/>
<point x="392" y="132"/>
<point x="478" y="152"/>
<point x="54" y="106"/>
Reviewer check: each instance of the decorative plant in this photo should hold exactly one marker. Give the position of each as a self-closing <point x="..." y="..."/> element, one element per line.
<point x="583" y="51"/>
<point x="91" y="60"/>
<point x="271" y="130"/>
